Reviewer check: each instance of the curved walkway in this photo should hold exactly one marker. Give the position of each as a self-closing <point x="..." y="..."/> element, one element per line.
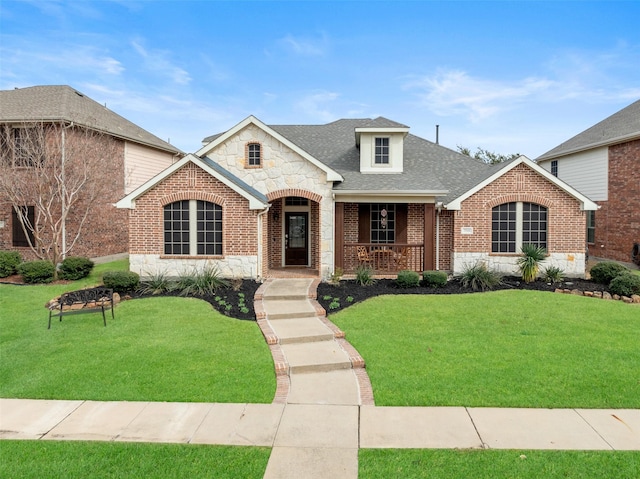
<point x="323" y="411"/>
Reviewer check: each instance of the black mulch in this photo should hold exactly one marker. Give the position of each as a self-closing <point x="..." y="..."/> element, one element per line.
<point x="227" y="301"/>
<point x="334" y="298"/>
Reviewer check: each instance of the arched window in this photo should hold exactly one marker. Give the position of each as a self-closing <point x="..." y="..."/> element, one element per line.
<point x="254" y="154"/>
<point x="515" y="224"/>
<point x="192" y="227"/>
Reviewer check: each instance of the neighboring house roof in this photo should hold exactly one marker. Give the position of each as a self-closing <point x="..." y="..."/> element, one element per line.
<point x="256" y="199"/>
<point x="618" y="128"/>
<point x="497" y="170"/>
<point x="62" y="103"/>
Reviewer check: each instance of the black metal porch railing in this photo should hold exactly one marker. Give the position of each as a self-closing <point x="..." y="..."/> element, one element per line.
<point x="382" y="257"/>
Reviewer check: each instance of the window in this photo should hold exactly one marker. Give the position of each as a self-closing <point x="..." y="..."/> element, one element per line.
<point x="554" y="167"/>
<point x="296" y="201"/>
<point x="514" y="224"/>
<point x="254" y="156"/>
<point x="22" y="147"/>
<point x="192" y="227"/>
<point x="591" y="226"/>
<point x="382" y="151"/>
<point x="19" y="237"/>
<point x="383" y="223"/>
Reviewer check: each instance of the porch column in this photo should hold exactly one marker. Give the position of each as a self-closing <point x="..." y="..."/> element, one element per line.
<point x="429" y="237"/>
<point x="339" y="235"/>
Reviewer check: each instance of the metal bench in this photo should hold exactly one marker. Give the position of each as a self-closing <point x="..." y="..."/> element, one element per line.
<point x="84" y="301"/>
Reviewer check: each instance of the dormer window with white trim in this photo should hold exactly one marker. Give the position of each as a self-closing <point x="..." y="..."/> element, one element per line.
<point x="382" y="151"/>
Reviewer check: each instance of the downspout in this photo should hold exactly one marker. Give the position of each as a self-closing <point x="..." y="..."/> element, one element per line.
<point x="438" y="210"/>
<point x="260" y="246"/>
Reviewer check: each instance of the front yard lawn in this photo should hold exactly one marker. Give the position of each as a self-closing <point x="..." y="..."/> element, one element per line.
<point x="156" y="349"/>
<point x="498" y="349"/>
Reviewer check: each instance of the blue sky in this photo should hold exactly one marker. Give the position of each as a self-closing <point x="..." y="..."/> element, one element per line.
<point x="510" y="77"/>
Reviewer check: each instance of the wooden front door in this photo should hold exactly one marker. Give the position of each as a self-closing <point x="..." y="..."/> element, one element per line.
<point x="296" y="239"/>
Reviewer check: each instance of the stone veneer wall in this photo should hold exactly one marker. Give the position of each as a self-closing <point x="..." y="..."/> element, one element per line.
<point x="283" y="170"/>
<point x="566" y="240"/>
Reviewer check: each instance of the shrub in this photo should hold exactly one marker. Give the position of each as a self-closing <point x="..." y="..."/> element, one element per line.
<point x="605" y="271"/>
<point x="9" y="261"/>
<point x="434" y="279"/>
<point x="75" y="267"/>
<point x="529" y="262"/>
<point x="364" y="275"/>
<point x="40" y="271"/>
<point x="408" y="279"/>
<point x="121" y="281"/>
<point x="552" y="274"/>
<point x="625" y="284"/>
<point x="479" y="277"/>
<point x="158" y="283"/>
<point x="202" y="283"/>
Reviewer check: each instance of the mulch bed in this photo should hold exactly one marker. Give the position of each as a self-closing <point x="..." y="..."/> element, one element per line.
<point x="349" y="288"/>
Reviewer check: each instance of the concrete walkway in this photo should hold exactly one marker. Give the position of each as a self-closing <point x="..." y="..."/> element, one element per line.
<point x="323" y="411"/>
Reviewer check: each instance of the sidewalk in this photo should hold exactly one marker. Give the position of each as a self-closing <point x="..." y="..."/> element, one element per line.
<point x="323" y="411"/>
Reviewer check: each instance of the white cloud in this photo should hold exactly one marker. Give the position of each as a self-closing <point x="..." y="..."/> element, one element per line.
<point x="304" y="46"/>
<point x="316" y="104"/>
<point x="157" y="62"/>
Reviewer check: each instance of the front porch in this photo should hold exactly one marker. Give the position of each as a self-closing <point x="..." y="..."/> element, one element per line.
<point x="383" y="259"/>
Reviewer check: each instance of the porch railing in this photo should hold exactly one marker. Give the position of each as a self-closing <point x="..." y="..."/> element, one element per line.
<point x="383" y="258"/>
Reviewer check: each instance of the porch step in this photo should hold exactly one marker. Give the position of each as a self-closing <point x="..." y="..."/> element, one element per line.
<point x="300" y="330"/>
<point x="287" y="289"/>
<point x="315" y="357"/>
<point x="288" y="309"/>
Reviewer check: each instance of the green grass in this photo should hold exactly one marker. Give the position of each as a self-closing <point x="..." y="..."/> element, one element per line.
<point x="496" y="464"/>
<point x="108" y="460"/>
<point x="499" y="349"/>
<point x="156" y="349"/>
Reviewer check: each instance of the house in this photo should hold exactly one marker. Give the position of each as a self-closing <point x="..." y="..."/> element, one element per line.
<point x="603" y="163"/>
<point x="32" y="121"/>
<point x="257" y="199"/>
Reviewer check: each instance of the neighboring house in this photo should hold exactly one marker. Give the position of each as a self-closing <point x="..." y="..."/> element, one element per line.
<point x="135" y="155"/>
<point x="257" y="199"/>
<point x="603" y="163"/>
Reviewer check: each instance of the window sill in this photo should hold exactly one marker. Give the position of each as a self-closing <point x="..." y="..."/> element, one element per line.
<point x="189" y="256"/>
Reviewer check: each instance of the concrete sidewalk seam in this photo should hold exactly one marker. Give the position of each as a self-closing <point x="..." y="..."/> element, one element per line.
<point x="473" y="423"/>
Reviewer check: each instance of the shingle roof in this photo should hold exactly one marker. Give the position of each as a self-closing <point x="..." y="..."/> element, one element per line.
<point x="619" y="127"/>
<point x="63" y="103"/>
<point x="427" y="167"/>
<point x="235" y="180"/>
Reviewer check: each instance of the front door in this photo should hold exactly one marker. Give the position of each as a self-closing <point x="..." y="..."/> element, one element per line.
<point x="296" y="239"/>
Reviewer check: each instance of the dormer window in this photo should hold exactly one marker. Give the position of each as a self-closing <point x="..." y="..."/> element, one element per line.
<point x="254" y="155"/>
<point x="382" y="151"/>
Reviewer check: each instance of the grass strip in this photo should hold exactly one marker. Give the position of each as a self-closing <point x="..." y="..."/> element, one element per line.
<point x="497" y="464"/>
<point x="109" y="460"/>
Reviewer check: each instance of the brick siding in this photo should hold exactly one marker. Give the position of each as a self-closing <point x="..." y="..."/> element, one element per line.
<point x="618" y="219"/>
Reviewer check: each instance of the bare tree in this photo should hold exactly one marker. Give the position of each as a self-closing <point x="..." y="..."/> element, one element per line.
<point x="58" y="170"/>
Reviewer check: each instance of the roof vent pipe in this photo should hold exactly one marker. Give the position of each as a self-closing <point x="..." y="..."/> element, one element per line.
<point x="437" y="134"/>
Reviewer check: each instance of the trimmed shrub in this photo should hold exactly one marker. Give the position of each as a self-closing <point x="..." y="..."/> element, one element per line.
<point x="40" y="271"/>
<point x="625" y="284"/>
<point x="9" y="261"/>
<point x="121" y="281"/>
<point x="434" y="279"/>
<point x="75" y="267"/>
<point x="364" y="275"/>
<point x="605" y="271"/>
<point x="408" y="279"/>
<point x="479" y="277"/>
